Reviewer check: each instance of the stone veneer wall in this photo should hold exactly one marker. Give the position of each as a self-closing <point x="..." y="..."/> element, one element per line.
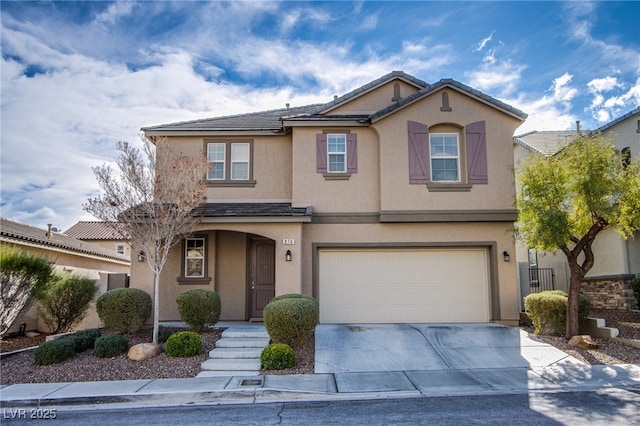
<point x="610" y="292"/>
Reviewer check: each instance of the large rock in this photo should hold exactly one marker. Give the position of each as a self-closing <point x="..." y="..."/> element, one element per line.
<point x="143" y="351"/>
<point x="584" y="342"/>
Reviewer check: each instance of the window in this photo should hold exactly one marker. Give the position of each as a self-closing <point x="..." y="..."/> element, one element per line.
<point x="194" y="258"/>
<point x="445" y="157"/>
<point x="120" y="248"/>
<point x="336" y="153"/>
<point x="229" y="163"/>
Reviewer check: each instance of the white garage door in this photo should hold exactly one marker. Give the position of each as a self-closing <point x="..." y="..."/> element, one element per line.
<point x="403" y="285"/>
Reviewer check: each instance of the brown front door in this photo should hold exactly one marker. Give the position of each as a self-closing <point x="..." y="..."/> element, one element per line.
<point x="262" y="275"/>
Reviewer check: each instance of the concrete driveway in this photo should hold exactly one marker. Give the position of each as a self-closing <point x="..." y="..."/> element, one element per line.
<point x="428" y="347"/>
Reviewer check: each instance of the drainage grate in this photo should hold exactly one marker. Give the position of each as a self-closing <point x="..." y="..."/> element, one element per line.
<point x="251" y="382"/>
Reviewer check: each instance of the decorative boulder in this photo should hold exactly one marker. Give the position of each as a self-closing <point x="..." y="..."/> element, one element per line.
<point x="583" y="341"/>
<point x="143" y="351"/>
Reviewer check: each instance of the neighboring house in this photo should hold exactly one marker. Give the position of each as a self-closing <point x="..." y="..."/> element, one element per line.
<point x="102" y="234"/>
<point x="616" y="260"/>
<point x="69" y="255"/>
<point x="392" y="203"/>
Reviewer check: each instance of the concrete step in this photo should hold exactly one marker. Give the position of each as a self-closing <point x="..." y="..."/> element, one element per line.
<point x="235" y="332"/>
<point x="233" y="353"/>
<point x="231" y="365"/>
<point x="243" y="342"/>
<point x="209" y="373"/>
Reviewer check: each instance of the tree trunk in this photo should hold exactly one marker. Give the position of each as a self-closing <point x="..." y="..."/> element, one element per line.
<point x="156" y="305"/>
<point x="572" y="326"/>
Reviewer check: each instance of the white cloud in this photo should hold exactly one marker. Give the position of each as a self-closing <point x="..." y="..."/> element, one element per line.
<point x="604" y="84"/>
<point x="114" y="12"/>
<point x="481" y="45"/>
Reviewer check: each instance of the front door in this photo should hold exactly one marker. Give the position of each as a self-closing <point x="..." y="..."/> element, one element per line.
<point x="262" y="275"/>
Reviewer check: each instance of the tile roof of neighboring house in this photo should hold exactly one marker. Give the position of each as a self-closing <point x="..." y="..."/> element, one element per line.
<point x="617" y="120"/>
<point x="94" y="230"/>
<point x="253" y="209"/>
<point x="546" y="142"/>
<point x="15" y="232"/>
<point x="272" y="120"/>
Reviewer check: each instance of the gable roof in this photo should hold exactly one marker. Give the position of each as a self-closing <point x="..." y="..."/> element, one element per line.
<point x="19" y="233"/>
<point x="617" y="120"/>
<point x="273" y="121"/>
<point x="95" y="230"/>
<point x="548" y="142"/>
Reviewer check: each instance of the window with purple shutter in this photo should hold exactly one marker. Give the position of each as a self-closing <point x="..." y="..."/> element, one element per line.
<point x="324" y="154"/>
<point x="418" y="153"/>
<point x="476" y="153"/>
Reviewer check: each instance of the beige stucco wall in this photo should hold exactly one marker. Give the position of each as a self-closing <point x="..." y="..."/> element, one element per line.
<point x="359" y="193"/>
<point x="375" y="100"/>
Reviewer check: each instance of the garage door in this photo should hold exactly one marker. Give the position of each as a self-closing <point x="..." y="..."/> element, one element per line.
<point x="403" y="285"/>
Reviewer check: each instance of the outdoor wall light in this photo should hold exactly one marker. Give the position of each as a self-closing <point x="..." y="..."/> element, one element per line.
<point x="288" y="255"/>
<point x="505" y="255"/>
<point x="140" y="256"/>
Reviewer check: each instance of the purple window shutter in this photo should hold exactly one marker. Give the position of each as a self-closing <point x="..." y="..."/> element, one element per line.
<point x="352" y="153"/>
<point x="418" y="153"/>
<point x="321" y="153"/>
<point x="476" y="153"/>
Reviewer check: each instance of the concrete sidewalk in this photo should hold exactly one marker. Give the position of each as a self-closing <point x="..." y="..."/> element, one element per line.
<point x="358" y="385"/>
<point x="361" y="362"/>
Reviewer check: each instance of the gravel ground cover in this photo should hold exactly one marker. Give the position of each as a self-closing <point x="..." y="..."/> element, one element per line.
<point x="20" y="368"/>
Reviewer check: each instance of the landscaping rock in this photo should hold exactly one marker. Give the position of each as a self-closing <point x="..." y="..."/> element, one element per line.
<point x="583" y="341"/>
<point x="144" y="351"/>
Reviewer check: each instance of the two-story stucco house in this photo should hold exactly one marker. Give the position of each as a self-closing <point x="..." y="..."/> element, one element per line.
<point x="392" y="203"/>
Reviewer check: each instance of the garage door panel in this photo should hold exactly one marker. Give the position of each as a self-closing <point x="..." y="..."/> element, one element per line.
<point x="404" y="285"/>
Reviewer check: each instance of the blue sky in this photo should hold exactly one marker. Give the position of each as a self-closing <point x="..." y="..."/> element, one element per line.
<point x="79" y="76"/>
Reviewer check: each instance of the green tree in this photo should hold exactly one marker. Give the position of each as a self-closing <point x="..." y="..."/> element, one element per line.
<point x="566" y="200"/>
<point x="23" y="277"/>
<point x="66" y="301"/>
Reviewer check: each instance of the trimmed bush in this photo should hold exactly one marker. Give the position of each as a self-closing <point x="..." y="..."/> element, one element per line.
<point x="183" y="344"/>
<point x="124" y="310"/>
<point x="548" y="311"/>
<point x="635" y="286"/>
<point x="54" y="351"/>
<point x="277" y="356"/>
<point x="291" y="320"/>
<point x="295" y="296"/>
<point x="110" y="345"/>
<point x="199" y="308"/>
<point x="65" y="303"/>
<point x="85" y="339"/>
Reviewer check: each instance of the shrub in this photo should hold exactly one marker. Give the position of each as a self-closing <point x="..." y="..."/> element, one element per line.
<point x="277" y="356"/>
<point x="23" y="277"/>
<point x="85" y="339"/>
<point x="548" y="311"/>
<point x="54" y="351"/>
<point x="295" y="296"/>
<point x="291" y="320"/>
<point x="635" y="286"/>
<point x="65" y="302"/>
<point x="199" y="308"/>
<point x="124" y="310"/>
<point x="110" y="345"/>
<point x="183" y="344"/>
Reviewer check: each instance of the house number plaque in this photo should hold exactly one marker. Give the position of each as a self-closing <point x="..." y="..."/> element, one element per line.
<point x="288" y="242"/>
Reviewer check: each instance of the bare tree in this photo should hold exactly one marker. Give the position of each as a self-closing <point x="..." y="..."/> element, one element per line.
<point x="152" y="198"/>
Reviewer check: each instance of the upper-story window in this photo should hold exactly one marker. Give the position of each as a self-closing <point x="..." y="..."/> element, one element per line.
<point x="229" y="162"/>
<point x="337" y="153"/>
<point x="445" y="157"/>
<point x="120" y="249"/>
